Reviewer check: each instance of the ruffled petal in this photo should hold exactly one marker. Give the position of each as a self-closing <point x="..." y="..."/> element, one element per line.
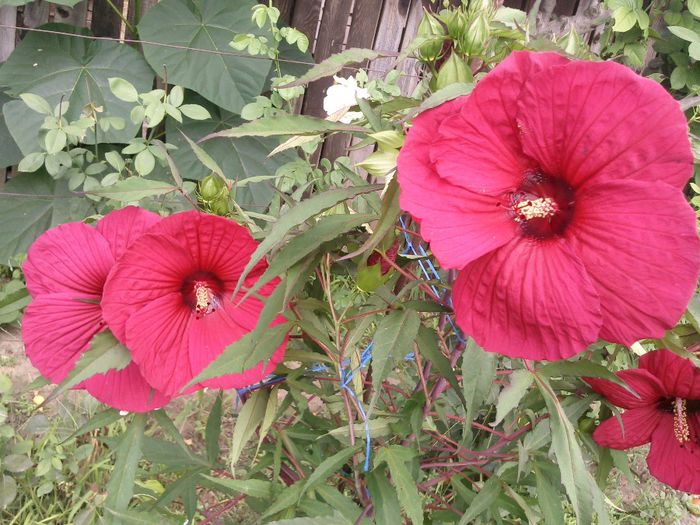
<point x="646" y="385"/>
<point x="479" y="148"/>
<point x="57" y="328"/>
<point x="678" y="375"/>
<point x="588" y="121"/>
<point x="158" y="337"/>
<point x="529" y="299"/>
<point x="673" y="463"/>
<point x="125" y="390"/>
<point x="153" y="267"/>
<point x="637" y="427"/>
<point x="122" y="227"/>
<point x="639" y="244"/>
<point x="72" y="257"/>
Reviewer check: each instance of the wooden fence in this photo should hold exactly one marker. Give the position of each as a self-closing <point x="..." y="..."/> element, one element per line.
<point x="331" y="25"/>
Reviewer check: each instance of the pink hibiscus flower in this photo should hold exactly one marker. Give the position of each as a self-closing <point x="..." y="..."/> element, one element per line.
<point x="666" y="413"/>
<point x="66" y="269"/>
<point x="170" y="300"/>
<point x="556" y="188"/>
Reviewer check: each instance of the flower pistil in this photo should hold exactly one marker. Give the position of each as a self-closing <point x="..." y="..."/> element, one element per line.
<point x="681" y="429"/>
<point x="539" y="208"/>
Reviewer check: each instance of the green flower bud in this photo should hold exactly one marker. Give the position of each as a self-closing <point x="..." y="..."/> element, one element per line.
<point x="472" y="41"/>
<point x="456" y="22"/>
<point x="212" y="187"/>
<point x="219" y="206"/>
<point x="453" y="71"/>
<point x="433" y="32"/>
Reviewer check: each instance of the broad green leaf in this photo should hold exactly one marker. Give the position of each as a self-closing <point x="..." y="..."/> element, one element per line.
<point x="120" y="487"/>
<point x="249" y="418"/>
<point x="428" y="346"/>
<point x="239" y="159"/>
<point x="105" y="353"/>
<point x="133" y="189"/>
<point x="255" y="488"/>
<point x="10" y="153"/>
<point x="478" y="373"/>
<point x="213" y="430"/>
<point x="510" y="396"/>
<point x="335" y="63"/>
<point x="625" y="19"/>
<point x="144" y="162"/>
<point x="283" y="125"/>
<point x="75" y="70"/>
<point x="16" y="463"/>
<point x="123" y="89"/>
<point x="328" y="467"/>
<point x="392" y="341"/>
<point x="384" y="498"/>
<point x="685" y="33"/>
<point x="486" y="497"/>
<point x="694" y="7"/>
<point x="246" y="353"/>
<point x="395" y="456"/>
<point x="549" y="499"/>
<point x="227" y="78"/>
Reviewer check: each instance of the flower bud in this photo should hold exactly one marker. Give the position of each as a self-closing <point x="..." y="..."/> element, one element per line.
<point x="453" y="71"/>
<point x="212" y="187"/>
<point x="456" y="22"/>
<point x="471" y="42"/>
<point x="433" y="32"/>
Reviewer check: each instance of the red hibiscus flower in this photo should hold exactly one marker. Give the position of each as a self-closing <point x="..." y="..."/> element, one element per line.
<point x="170" y="300"/>
<point x="556" y="188"/>
<point x="66" y="269"/>
<point x="666" y="413"/>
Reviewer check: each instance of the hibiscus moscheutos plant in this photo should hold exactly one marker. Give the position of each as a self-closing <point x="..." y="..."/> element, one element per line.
<point x="170" y="299"/>
<point x="66" y="270"/>
<point x="664" y="409"/>
<point x="556" y="189"/>
<point x="343" y="95"/>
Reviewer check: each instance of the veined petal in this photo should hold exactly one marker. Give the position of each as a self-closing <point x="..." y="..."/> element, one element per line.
<point x="122" y="227"/>
<point x="678" y="375"/>
<point x="646" y="385"/>
<point x="57" y="328"/>
<point x="72" y="257"/>
<point x="158" y="337"/>
<point x="592" y="121"/>
<point x="529" y="299"/>
<point x="639" y="244"/>
<point x="673" y="463"/>
<point x="636" y="430"/>
<point x="125" y="390"/>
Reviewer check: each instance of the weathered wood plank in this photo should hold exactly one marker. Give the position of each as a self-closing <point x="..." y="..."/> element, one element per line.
<point x="306" y="18"/>
<point x="35" y="13"/>
<point x="8" y="17"/>
<point x="76" y="15"/>
<point x="286" y="8"/>
<point x="105" y="21"/>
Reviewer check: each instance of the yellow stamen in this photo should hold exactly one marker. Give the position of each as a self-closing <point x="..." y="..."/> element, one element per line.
<point x="203" y="296"/>
<point x="540" y="208"/>
<point x="680" y="421"/>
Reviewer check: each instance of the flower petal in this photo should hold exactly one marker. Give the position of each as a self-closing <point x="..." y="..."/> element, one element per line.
<point x="479" y="147"/>
<point x="637" y="427"/>
<point x="639" y="244"/>
<point x="460" y="225"/>
<point x="72" y="257"/>
<point x="158" y="337"/>
<point x="125" y="390"/>
<point x="673" y="463"/>
<point x="153" y="267"/>
<point x="122" y="227"/>
<point x="678" y="375"/>
<point x="601" y="121"/>
<point x="530" y="299"/>
<point x="646" y="385"/>
<point x="57" y="328"/>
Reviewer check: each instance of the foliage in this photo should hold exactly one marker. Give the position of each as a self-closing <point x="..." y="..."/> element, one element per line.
<point x="382" y="407"/>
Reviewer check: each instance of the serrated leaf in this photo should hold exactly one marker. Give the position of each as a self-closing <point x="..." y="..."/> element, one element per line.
<point x="120" y="487"/>
<point x="105" y="353"/>
<point x="478" y="373"/>
<point x="249" y="418"/>
<point x="333" y="64"/>
<point x="386" y="502"/>
<point x="283" y="125"/>
<point x="486" y="497"/>
<point x="133" y="189"/>
<point x="395" y="456"/>
<point x="213" y="430"/>
<point x="549" y="499"/>
<point x="582" y="368"/>
<point x="255" y="488"/>
<point x="99" y="420"/>
<point x="334" y="519"/>
<point x="328" y="467"/>
<point x="428" y="346"/>
<point x="510" y="396"/>
<point x="204" y="157"/>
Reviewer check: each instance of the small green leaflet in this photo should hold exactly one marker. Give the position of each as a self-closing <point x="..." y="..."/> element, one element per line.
<point x="249" y="418"/>
<point x="335" y="63"/>
<point x="286" y="125"/>
<point x="484" y="499"/>
<point x="396" y="456"/>
<point x="120" y="487"/>
<point x="328" y="467"/>
<point x="520" y="381"/>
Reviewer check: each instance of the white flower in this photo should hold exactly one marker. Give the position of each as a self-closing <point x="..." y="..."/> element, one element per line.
<point x="343" y="95"/>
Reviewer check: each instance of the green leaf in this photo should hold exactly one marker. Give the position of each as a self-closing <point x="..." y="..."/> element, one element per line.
<point x="395" y="456"/>
<point x="213" y="430"/>
<point x="31" y="162"/>
<point x="694" y="50"/>
<point x="37" y="103"/>
<point x="249" y="418"/>
<point x="144" y="162"/>
<point x="384" y="498"/>
<point x="10" y="154"/>
<point x="16" y="463"/>
<point x="549" y="499"/>
<point x="133" y="517"/>
<point x="625" y="19"/>
<point x="105" y="353"/>
<point x="204" y="157"/>
<point x="75" y="70"/>
<point x="123" y="89"/>
<point x="133" y="189"/>
<point x="208" y="25"/>
<point x="99" y="420"/>
<point x="335" y="63"/>
<point x="582" y="368"/>
<point x="55" y="141"/>
<point x="11" y="302"/>
<point x="8" y="490"/>
<point x="428" y="346"/>
<point x="255" y="488"/>
<point x="31" y="204"/>
<point x="685" y="33"/>
<point x="120" y="487"/>
<point x="510" y="396"/>
<point x="195" y="112"/>
<point x="249" y="351"/>
<point x="486" y="497"/>
<point x="441" y="96"/>
<point x="478" y="373"/>
<point x="694" y="7"/>
<point x="328" y="467"/>
<point x="335" y="519"/>
<point x="282" y="125"/>
<point x="176" y="96"/>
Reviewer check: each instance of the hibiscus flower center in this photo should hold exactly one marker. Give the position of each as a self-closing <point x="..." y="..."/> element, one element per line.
<point x="201" y="291"/>
<point x="542" y="205"/>
<point x="680" y="408"/>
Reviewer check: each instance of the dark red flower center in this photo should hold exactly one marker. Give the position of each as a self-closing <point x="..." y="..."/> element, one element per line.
<point x="202" y="292"/>
<point x="542" y="205"/>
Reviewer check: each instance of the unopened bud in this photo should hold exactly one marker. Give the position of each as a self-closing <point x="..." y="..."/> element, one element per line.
<point x="472" y="41"/>
<point x="433" y="32"/>
<point x="453" y="71"/>
<point x="212" y="187"/>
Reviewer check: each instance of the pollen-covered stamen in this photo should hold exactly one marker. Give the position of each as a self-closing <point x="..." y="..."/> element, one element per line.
<point x="681" y="429"/>
<point x="203" y="297"/>
<point x="540" y="208"/>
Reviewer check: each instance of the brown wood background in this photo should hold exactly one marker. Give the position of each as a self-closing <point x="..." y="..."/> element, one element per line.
<point x="331" y="25"/>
